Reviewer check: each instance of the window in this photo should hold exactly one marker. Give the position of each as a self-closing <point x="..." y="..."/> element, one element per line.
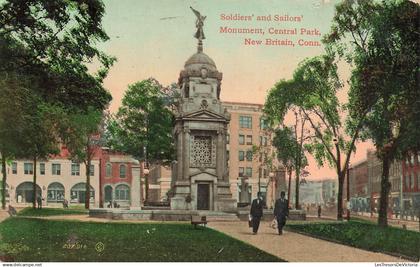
<point x="241" y="139"/>
<point x="227" y="154"/>
<point x="265" y="174"/>
<point x="227" y="138"/>
<point x="263" y="123"/>
<point x="56" y="169"/>
<point x="28" y="168"/>
<point x="108" y="170"/>
<point x="14" y="167"/>
<point x="245" y="122"/>
<point x="123" y="170"/>
<point x="92" y="170"/>
<point x="42" y="168"/>
<point x="122" y="192"/>
<point x="241" y="171"/>
<point x="249" y="155"/>
<point x="55" y="192"/>
<point x="108" y="193"/>
<point x="248" y="171"/>
<point x="241" y="155"/>
<point x="249" y="139"/>
<point x="75" y="169"/>
<point x="78" y="193"/>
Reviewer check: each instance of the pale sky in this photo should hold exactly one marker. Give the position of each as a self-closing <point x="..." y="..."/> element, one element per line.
<point x="155" y="38"/>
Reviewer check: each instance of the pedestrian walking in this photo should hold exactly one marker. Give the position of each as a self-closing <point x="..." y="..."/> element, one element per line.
<point x="319" y="211"/>
<point x="256" y="213"/>
<point x="39" y="202"/>
<point x="281" y="211"/>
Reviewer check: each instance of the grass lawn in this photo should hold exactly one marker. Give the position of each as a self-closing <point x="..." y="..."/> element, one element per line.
<point x="365" y="235"/>
<point x="51" y="211"/>
<point x="24" y="239"/>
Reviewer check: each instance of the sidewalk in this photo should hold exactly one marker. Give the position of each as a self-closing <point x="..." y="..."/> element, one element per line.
<point x="295" y="247"/>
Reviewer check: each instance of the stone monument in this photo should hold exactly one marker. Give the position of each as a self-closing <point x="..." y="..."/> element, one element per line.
<point x="200" y="174"/>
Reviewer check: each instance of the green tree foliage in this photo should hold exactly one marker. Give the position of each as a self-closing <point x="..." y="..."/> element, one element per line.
<point x="49" y="45"/>
<point x="313" y="90"/>
<point x="143" y="124"/>
<point x="54" y="41"/>
<point x="291" y="153"/>
<point x="12" y="91"/>
<point x="38" y="137"/>
<point x="82" y="136"/>
<point x="381" y="39"/>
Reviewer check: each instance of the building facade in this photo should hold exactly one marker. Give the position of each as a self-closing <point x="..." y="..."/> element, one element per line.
<point x="59" y="178"/>
<point x="249" y="146"/>
<point x="374" y="183"/>
<point x="329" y="191"/>
<point x="359" y="193"/>
<point x="116" y="179"/>
<point x="411" y="184"/>
<point x="159" y="184"/>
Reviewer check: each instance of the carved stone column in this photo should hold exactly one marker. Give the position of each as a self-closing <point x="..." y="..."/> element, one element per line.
<point x="179" y="150"/>
<point x="186" y="152"/>
<point x="220" y="155"/>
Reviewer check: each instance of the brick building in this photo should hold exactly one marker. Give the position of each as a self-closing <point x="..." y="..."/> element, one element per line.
<point x="411" y="183"/>
<point x="374" y="183"/>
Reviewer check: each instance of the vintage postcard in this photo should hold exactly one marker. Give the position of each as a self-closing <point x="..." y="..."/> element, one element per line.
<point x="210" y="131"/>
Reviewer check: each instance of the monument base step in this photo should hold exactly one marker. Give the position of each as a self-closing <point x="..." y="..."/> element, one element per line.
<point x="160" y="215"/>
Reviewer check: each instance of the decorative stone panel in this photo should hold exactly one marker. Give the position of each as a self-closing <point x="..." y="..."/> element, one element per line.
<point x="203" y="151"/>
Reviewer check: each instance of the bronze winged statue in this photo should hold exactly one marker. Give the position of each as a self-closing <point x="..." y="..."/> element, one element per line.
<point x="199" y="24"/>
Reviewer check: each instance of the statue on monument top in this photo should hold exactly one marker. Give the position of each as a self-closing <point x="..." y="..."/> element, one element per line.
<point x="199" y="24"/>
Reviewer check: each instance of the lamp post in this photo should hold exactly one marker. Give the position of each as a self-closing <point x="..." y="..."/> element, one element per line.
<point x="273" y="185"/>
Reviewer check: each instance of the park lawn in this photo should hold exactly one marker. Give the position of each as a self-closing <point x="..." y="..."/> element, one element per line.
<point x="31" y="239"/>
<point x="365" y="235"/>
<point x="51" y="211"/>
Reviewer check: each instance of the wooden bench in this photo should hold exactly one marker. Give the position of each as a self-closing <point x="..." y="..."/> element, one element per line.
<point x="198" y="220"/>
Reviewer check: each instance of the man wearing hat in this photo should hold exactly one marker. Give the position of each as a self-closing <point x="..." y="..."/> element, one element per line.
<point x="256" y="213"/>
<point x="281" y="211"/>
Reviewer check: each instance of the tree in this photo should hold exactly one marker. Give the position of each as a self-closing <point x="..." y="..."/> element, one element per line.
<point x="143" y="124"/>
<point x="55" y="40"/>
<point x="314" y="89"/>
<point x="290" y="152"/>
<point x="12" y="91"/>
<point x="382" y="40"/>
<point x="82" y="136"/>
<point x="39" y="138"/>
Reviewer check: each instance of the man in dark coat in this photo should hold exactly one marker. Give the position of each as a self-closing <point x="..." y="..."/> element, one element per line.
<point x="281" y="211"/>
<point x="257" y="207"/>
